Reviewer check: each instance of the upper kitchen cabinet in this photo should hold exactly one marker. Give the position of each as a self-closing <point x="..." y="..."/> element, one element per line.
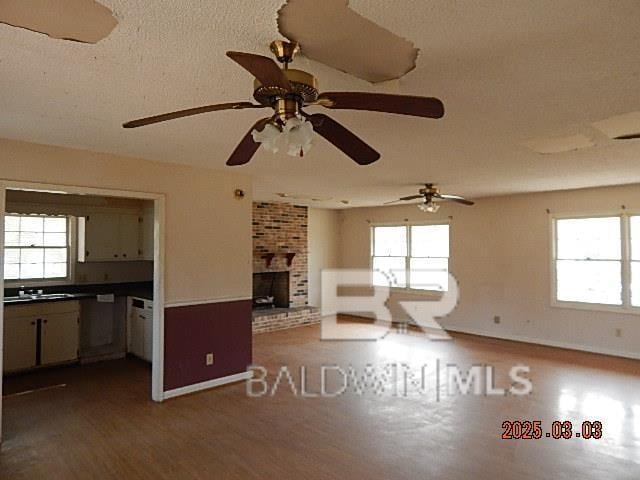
<point x="109" y="237"/>
<point x="147" y="234"/>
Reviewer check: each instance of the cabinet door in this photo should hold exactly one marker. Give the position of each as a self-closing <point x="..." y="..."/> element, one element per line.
<point x="147" y="235"/>
<point x="59" y="338"/>
<point x="102" y="237"/>
<point x="19" y="343"/>
<point x="148" y="336"/>
<point x="129" y="241"/>
<point x="136" y="334"/>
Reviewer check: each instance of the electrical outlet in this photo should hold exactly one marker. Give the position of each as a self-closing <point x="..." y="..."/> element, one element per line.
<point x="209" y="359"/>
<point x="618" y="332"/>
<point x="107" y="277"/>
<point x="82" y="277"/>
<point x="497" y="319"/>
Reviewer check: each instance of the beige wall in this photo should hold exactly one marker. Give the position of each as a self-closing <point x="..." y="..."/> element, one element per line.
<point x="500" y="254"/>
<point x="208" y="231"/>
<point x="323" y="235"/>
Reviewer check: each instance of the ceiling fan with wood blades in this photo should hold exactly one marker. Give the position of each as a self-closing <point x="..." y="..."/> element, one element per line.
<point x="287" y="91"/>
<point x="430" y="195"/>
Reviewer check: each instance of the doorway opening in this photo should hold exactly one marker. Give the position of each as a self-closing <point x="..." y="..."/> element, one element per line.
<point x="82" y="290"/>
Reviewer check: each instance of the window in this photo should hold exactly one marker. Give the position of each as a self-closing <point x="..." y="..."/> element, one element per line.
<point x="411" y="256"/>
<point x="36" y="247"/>
<point x="597" y="260"/>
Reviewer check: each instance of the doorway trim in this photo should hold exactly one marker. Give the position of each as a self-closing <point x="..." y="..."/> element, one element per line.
<point x="157" y="371"/>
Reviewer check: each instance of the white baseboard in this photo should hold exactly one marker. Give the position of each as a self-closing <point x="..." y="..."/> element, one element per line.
<point x="216" y="382"/>
<point x="544" y="342"/>
<point x="536" y="341"/>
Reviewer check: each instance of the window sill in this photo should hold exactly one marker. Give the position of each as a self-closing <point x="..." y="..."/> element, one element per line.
<point x="417" y="291"/>
<point x="37" y="283"/>
<point x="596" y="307"/>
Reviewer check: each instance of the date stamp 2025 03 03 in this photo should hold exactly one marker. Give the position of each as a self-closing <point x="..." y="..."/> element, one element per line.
<point x="560" y="430"/>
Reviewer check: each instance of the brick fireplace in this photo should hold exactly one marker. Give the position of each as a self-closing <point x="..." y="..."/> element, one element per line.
<point x="280" y="247"/>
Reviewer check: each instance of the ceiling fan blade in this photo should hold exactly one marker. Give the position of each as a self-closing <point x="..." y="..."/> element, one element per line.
<point x="404" y="199"/>
<point x="188" y="112"/>
<point x="631" y="136"/>
<point x="263" y="68"/>
<point x="454" y="198"/>
<point x="382" y="102"/>
<point x="247" y="147"/>
<point x="411" y="197"/>
<point x="344" y="139"/>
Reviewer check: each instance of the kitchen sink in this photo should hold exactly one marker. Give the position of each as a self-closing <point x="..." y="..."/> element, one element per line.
<point x="38" y="296"/>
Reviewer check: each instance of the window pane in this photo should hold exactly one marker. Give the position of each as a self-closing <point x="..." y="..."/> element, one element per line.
<point x="11" y="255"/>
<point x="429" y="273"/>
<point x="11" y="271"/>
<point x="12" y="239"/>
<point x="635" y="238"/>
<point x="589" y="238"/>
<point x="55" y="224"/>
<point x="28" y="239"/>
<point x="55" y="255"/>
<point x="32" y="224"/>
<point x="55" y="239"/>
<point x="635" y="284"/>
<point x="31" y="255"/>
<point x="430" y="241"/>
<point x="31" y="270"/>
<point x="55" y="270"/>
<point x="590" y="281"/>
<point x="389" y="271"/>
<point x="11" y="224"/>
<point x="390" y="241"/>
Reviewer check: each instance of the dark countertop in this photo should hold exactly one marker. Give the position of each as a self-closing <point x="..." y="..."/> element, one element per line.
<point x="76" y="292"/>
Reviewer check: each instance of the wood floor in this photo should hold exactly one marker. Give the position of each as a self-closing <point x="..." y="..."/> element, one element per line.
<point x="102" y="425"/>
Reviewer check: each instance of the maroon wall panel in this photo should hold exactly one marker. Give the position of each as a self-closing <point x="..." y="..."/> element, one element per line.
<point x="191" y="332"/>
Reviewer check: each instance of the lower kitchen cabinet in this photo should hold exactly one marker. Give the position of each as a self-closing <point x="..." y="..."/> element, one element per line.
<point x="59" y="338"/>
<point x="40" y="334"/>
<point x="19" y="343"/>
<point x="140" y="328"/>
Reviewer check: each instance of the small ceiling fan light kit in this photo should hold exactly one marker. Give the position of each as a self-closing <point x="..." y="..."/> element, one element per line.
<point x="430" y="196"/>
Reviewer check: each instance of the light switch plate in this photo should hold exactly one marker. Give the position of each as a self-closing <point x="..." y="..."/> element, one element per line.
<point x="209" y="359"/>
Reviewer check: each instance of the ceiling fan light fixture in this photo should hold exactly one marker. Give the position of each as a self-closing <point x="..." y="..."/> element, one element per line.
<point x="429" y="206"/>
<point x="268" y="137"/>
<point x="298" y="135"/>
<point x="295" y="137"/>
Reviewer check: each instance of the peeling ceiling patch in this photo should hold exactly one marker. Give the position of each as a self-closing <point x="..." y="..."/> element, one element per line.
<point x="84" y="21"/>
<point x="331" y="33"/>
<point x="620" y="127"/>
<point x="547" y="146"/>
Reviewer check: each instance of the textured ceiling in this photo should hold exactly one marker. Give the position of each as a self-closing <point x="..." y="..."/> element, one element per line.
<point x="507" y="72"/>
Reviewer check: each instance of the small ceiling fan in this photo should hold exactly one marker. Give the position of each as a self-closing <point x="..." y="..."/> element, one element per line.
<point x="287" y="91"/>
<point x="430" y="194"/>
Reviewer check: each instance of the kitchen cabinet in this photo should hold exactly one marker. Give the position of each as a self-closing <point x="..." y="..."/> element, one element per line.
<point x="140" y="328"/>
<point x="147" y="234"/>
<point x="109" y="237"/>
<point x="19" y="343"/>
<point x="40" y="334"/>
<point x="59" y="338"/>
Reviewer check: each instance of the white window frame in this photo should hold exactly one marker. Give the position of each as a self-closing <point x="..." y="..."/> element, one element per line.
<point x="625" y="236"/>
<point x="71" y="258"/>
<point x="408" y="257"/>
